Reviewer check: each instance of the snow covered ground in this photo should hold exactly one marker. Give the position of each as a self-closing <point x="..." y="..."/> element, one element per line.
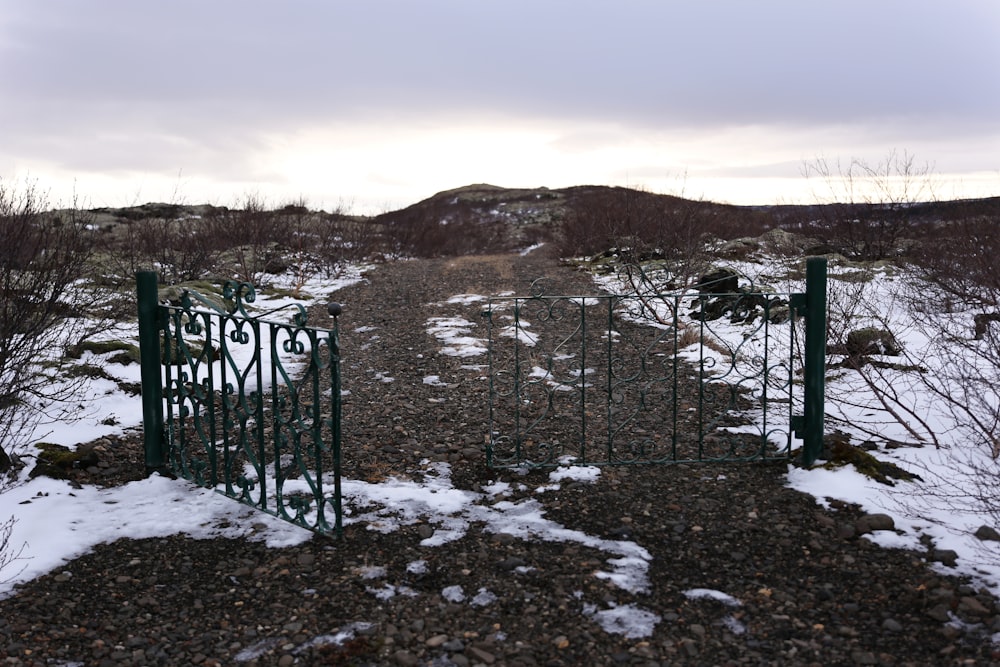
<point x="56" y="522"/>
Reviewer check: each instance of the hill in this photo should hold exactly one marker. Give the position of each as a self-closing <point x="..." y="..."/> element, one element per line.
<point x="578" y="220"/>
<point x="581" y="218"/>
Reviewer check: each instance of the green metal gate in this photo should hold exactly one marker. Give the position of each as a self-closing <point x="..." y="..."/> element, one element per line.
<point x="631" y="379"/>
<point x="247" y="405"/>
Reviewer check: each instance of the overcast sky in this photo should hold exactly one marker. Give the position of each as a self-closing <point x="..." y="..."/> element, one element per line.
<point x="376" y="104"/>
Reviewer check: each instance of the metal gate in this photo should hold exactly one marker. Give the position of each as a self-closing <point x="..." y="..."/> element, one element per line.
<point x="664" y="378"/>
<point x="247" y="405"/>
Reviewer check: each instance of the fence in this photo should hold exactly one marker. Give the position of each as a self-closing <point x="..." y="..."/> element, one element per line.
<point x="244" y="404"/>
<point x="627" y="379"/>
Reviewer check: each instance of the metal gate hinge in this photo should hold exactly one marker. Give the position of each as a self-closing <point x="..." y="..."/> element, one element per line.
<point x="797" y="302"/>
<point x="798" y="424"/>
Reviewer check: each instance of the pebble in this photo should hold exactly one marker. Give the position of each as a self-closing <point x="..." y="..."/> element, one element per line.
<point x="476" y="653"/>
<point x="892" y="625"/>
<point x="971" y="605"/>
<point x="405" y="659"/>
<point x="829" y="595"/>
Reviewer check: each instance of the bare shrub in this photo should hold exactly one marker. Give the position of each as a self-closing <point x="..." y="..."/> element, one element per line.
<point x="323" y="243"/>
<point x="44" y="304"/>
<point x="181" y="248"/>
<point x="941" y="382"/>
<point x="345" y="237"/>
<point x="179" y="245"/>
<point x="865" y="208"/>
<point x="256" y="242"/>
<point x="960" y="311"/>
<point x="9" y="553"/>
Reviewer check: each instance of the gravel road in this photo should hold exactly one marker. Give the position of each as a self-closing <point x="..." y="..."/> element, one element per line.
<point x="671" y="565"/>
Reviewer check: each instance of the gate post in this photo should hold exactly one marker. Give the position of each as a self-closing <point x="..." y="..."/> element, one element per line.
<point x="814" y="408"/>
<point x="147" y="301"/>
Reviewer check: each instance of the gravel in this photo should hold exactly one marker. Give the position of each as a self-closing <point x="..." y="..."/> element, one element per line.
<point x="742" y="570"/>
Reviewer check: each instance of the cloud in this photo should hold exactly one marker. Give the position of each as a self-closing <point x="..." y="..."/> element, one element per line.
<point x="222" y="89"/>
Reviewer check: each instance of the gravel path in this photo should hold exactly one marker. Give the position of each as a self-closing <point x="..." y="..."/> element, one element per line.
<point x="782" y="581"/>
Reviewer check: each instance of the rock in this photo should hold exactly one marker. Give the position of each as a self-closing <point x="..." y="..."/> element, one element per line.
<point x="738" y="248"/>
<point x="405" y="659"/>
<point x="939" y="613"/>
<point x="481" y="655"/>
<point x="56" y="461"/>
<point x="722" y="281"/>
<point x="872" y="340"/>
<point x="892" y="625"/>
<point x="945" y="557"/>
<point x="982" y="323"/>
<point x="987" y="534"/>
<point x="972" y="606"/>
<point x="454" y="646"/>
<point x="872" y="522"/>
<point x="863" y="658"/>
<point x="511" y="563"/>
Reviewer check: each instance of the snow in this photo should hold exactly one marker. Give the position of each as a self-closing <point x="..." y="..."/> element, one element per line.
<point x="56" y="523"/>
<point x="711" y="594"/>
<point x="454" y="333"/>
<point x="628" y="620"/>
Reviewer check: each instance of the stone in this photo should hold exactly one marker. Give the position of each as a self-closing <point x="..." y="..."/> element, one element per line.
<point x="864" y="658"/>
<point x="405" y="659"/>
<point x="973" y="606"/>
<point x="454" y="646"/>
<point x="723" y="281"/>
<point x="987" y="534"/>
<point x="892" y="625"/>
<point x="939" y="613"/>
<point x="481" y="655"/>
<point x="945" y="557"/>
<point x="511" y="563"/>
<point x="872" y="340"/>
<point x="872" y="522"/>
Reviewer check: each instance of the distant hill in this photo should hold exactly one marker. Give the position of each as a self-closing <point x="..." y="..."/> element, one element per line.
<point x="577" y="220"/>
<point x="587" y="218"/>
<point x="459" y="221"/>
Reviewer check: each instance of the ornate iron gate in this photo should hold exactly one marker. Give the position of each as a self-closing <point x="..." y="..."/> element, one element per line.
<point x="252" y="404"/>
<point x="666" y="378"/>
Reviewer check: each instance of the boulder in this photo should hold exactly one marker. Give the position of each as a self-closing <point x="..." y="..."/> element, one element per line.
<point x="872" y="522"/>
<point x="872" y="341"/>
<point x="57" y="461"/>
<point x="721" y="281"/>
<point x="987" y="534"/>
